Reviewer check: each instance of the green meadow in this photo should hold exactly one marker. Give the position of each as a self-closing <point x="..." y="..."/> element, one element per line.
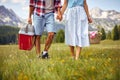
<point x="97" y="62"/>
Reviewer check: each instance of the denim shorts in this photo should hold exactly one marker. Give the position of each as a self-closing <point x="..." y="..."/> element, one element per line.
<point x="42" y="23"/>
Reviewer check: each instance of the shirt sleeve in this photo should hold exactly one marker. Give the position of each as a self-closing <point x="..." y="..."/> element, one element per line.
<point x="32" y="3"/>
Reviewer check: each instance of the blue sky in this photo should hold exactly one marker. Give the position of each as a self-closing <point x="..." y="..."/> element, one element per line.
<point x="20" y="7"/>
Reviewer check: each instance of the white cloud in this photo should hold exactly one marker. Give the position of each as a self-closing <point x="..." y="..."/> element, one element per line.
<point x="14" y="1"/>
<point x="25" y="8"/>
<point x="3" y="1"/>
<point x="18" y="1"/>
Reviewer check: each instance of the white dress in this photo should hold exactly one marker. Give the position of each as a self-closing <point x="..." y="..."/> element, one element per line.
<point x="76" y="29"/>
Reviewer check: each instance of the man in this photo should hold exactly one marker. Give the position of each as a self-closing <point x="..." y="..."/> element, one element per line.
<point x="43" y="17"/>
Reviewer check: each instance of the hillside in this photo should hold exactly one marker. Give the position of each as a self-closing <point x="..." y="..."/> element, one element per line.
<point x="8" y="17"/>
<point x="105" y="18"/>
<point x="97" y="62"/>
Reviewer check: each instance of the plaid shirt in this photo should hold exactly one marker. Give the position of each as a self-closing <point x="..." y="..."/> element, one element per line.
<point x="39" y="6"/>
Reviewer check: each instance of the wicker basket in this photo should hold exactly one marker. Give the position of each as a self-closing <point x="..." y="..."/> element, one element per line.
<point x="95" y="38"/>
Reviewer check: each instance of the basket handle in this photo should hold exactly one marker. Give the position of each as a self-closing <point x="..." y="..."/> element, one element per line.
<point x="26" y="29"/>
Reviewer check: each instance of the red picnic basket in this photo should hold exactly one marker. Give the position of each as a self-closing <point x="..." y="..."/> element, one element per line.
<point x="26" y="37"/>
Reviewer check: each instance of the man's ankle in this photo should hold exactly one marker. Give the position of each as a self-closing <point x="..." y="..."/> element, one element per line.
<point x="38" y="55"/>
<point x="44" y="52"/>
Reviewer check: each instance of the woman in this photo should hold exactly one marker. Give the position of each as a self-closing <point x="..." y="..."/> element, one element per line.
<point x="76" y="30"/>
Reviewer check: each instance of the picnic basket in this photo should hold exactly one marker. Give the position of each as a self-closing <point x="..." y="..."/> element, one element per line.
<point x="94" y="37"/>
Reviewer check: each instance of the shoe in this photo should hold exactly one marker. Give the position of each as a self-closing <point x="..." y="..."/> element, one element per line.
<point x="45" y="56"/>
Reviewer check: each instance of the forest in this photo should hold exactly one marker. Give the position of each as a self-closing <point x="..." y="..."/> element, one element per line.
<point x="9" y="35"/>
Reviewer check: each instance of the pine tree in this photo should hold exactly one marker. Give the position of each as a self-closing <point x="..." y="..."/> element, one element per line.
<point x="8" y="34"/>
<point x="108" y="36"/>
<point x="43" y="38"/>
<point x="60" y="36"/>
<point x="103" y="34"/>
<point x="119" y="31"/>
<point x="115" y="33"/>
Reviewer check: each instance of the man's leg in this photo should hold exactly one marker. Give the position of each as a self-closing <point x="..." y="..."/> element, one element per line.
<point x="37" y="45"/>
<point x="39" y="23"/>
<point x="47" y="45"/>
<point x="49" y="41"/>
<point x="51" y="29"/>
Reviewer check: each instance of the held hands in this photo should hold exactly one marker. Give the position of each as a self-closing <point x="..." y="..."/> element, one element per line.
<point x="59" y="16"/>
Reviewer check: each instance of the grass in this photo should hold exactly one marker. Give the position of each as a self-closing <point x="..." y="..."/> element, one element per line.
<point x="97" y="62"/>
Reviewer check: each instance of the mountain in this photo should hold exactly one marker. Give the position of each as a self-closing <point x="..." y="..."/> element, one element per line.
<point x="110" y="14"/>
<point x="102" y="18"/>
<point x="8" y="17"/>
<point x="105" y="18"/>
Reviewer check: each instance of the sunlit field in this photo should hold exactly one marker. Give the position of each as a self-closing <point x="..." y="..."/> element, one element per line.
<point x="97" y="62"/>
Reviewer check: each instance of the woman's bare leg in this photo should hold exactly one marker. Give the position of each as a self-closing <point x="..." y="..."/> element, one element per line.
<point x="72" y="51"/>
<point x="78" y="52"/>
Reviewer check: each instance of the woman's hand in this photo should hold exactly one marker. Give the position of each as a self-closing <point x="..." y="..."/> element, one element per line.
<point x="89" y="19"/>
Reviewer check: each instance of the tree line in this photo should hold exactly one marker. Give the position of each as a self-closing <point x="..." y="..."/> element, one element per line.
<point x="114" y="34"/>
<point x="9" y="35"/>
<point x="111" y="35"/>
<point x="58" y="38"/>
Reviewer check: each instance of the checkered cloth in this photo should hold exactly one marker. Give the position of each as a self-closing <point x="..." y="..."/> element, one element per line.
<point x="39" y="6"/>
<point x="93" y="35"/>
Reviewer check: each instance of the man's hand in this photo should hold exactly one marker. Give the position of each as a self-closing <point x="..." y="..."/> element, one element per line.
<point x="30" y="20"/>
